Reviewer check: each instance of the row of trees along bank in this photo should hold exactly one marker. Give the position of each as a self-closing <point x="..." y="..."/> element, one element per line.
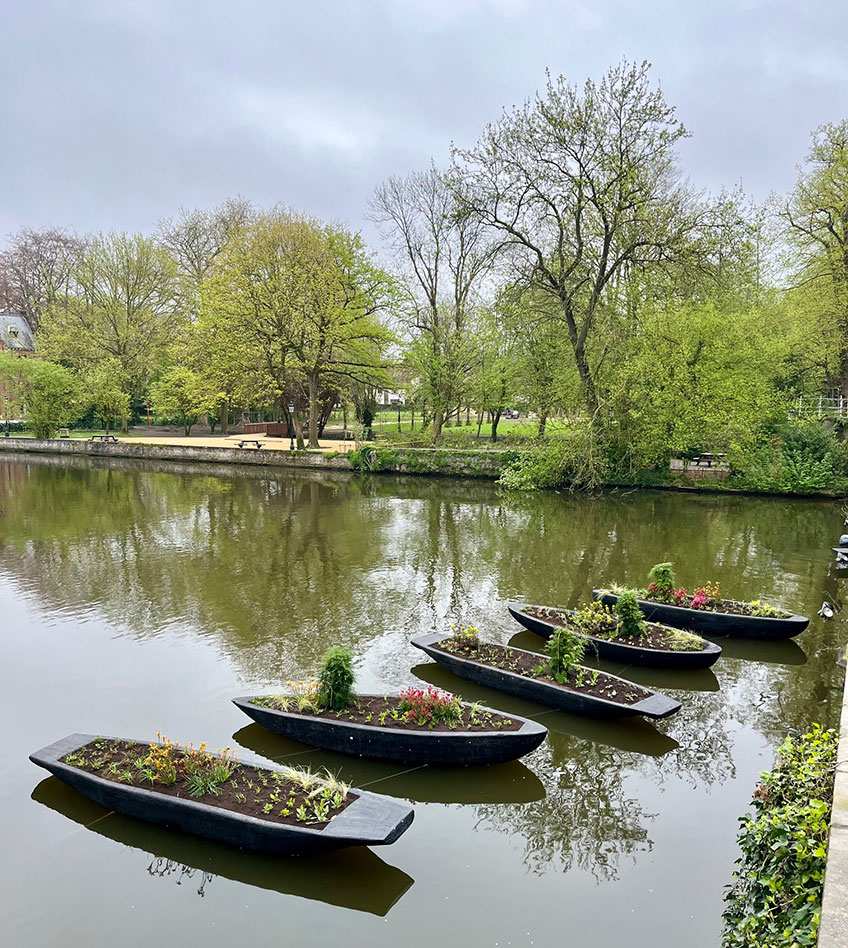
<point x="562" y="263"/>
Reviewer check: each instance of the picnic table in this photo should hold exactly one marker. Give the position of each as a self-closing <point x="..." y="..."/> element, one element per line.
<point x="255" y="441"/>
<point x="104" y="439"/>
<point x="708" y="459"/>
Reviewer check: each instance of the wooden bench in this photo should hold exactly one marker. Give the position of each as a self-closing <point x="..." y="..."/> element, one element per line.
<point x="104" y="439"/>
<point x="255" y="441"/>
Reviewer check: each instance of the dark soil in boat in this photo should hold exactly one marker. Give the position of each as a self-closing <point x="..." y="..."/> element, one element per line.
<point x="526" y="664"/>
<point x="656" y="636"/>
<point x="250" y="791"/>
<point x="369" y="709"/>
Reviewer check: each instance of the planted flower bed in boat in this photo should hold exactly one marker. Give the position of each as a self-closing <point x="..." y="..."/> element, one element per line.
<point x="213" y="795"/>
<point x="705" y="610"/>
<point x="567" y="685"/>
<point x="417" y="726"/>
<point x="656" y="645"/>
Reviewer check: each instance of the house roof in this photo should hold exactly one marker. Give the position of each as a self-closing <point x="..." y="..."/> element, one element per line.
<point x="15" y="332"/>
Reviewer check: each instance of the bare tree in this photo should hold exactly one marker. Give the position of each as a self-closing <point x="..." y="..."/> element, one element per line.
<point x="445" y="257"/>
<point x="579" y="185"/>
<point x="36" y="270"/>
<point x="196" y="238"/>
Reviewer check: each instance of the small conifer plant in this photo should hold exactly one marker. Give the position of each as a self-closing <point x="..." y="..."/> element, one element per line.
<point x="630" y="619"/>
<point x="336" y="678"/>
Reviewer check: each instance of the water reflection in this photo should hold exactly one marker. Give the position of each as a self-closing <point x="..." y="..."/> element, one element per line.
<point x="589" y="819"/>
<point x="354" y="878"/>
<point x="511" y="782"/>
<point x="174" y="587"/>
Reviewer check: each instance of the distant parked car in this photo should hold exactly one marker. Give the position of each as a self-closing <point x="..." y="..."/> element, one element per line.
<point x="511" y="413"/>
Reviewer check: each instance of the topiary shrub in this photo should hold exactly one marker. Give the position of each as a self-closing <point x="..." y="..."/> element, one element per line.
<point x="336" y="677"/>
<point x="630" y="619"/>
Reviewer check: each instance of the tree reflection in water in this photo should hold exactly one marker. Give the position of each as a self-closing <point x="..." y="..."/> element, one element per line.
<point x="272" y="568"/>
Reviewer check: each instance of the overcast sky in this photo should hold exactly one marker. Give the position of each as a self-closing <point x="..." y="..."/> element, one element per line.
<point x="116" y="112"/>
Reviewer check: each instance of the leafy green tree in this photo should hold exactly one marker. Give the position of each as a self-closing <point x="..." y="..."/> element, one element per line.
<point x="300" y="301"/>
<point x="180" y="391"/>
<point x="581" y="186"/>
<point x="495" y="379"/>
<point x="125" y="308"/>
<point x="105" y="390"/>
<point x="50" y="394"/>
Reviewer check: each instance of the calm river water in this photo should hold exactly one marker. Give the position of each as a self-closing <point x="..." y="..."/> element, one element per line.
<point x="136" y="599"/>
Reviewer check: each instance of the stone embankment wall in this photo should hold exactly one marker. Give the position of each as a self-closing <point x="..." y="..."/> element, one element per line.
<point x="833" y="932"/>
<point x="433" y="461"/>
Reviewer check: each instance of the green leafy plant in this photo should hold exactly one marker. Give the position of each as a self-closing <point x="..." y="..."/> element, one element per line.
<point x="775" y="900"/>
<point x="759" y="608"/>
<point x="336" y="677"/>
<point x="630" y="618"/>
<point x="595" y="619"/>
<point x="661" y="581"/>
<point x="565" y="649"/>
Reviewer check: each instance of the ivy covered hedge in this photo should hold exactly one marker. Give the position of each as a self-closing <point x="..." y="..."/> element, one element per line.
<point x="775" y="900"/>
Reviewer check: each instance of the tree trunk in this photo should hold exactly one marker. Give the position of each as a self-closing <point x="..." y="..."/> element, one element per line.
<point x="467" y="415"/>
<point x="313" y="410"/>
<point x="479" y="421"/>
<point x="543" y="421"/>
<point x="298" y="432"/>
<point x="438" y="418"/>
<point x="125" y="424"/>
<point x="578" y="345"/>
<point x="225" y="418"/>
<point x="495" y="420"/>
<point x="107" y="419"/>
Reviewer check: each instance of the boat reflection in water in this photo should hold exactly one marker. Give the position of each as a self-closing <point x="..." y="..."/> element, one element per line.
<point x="511" y="782"/>
<point x="354" y="878"/>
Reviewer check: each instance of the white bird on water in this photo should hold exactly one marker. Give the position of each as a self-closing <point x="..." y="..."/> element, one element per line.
<point x="826" y="611"/>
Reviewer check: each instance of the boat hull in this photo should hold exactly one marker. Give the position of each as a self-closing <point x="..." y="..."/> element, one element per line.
<point x="656" y="705"/>
<point x="714" y="623"/>
<point x="619" y="651"/>
<point x="419" y="746"/>
<point x="371" y="820"/>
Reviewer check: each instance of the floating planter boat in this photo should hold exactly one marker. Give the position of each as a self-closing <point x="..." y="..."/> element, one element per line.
<point x="367" y="729"/>
<point x="512" y="670"/>
<point x="659" y="646"/>
<point x="726" y="622"/>
<point x="245" y="809"/>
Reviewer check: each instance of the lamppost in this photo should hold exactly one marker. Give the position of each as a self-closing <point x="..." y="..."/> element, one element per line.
<point x="291" y="426"/>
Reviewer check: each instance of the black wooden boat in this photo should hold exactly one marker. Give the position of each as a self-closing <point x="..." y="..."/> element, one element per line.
<point x="421" y="745"/>
<point x="370" y="820"/>
<point x="715" y="623"/>
<point x="617" y="651"/>
<point x="654" y="705"/>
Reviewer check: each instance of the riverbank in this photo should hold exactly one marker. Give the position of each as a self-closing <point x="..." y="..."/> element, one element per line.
<point x="371" y="459"/>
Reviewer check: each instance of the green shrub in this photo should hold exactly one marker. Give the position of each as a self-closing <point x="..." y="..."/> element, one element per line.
<point x="575" y="461"/>
<point x="775" y="900"/>
<point x="661" y="580"/>
<point x="336" y="677"/>
<point x="797" y="457"/>
<point x="630" y="619"/>
<point x="565" y="649"/>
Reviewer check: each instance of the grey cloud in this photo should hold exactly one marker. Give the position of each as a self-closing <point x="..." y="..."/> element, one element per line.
<point x="115" y="113"/>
